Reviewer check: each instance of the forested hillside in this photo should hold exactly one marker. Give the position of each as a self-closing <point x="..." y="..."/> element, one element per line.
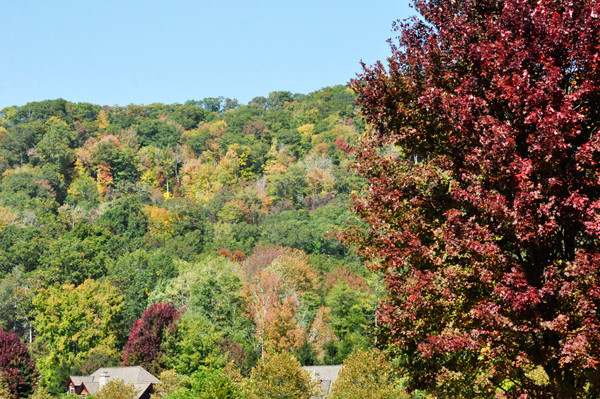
<point x="213" y="220"/>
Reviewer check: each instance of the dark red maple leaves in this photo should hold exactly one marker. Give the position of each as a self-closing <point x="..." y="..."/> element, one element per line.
<point x="17" y="367"/>
<point x="145" y="344"/>
<point x="484" y="197"/>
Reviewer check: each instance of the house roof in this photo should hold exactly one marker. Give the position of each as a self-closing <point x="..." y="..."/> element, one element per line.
<point x="324" y="373"/>
<point x="135" y="375"/>
<point x="79" y="379"/>
<point x="327" y="375"/>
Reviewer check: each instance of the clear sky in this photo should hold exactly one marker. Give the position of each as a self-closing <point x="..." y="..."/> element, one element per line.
<point x="143" y="51"/>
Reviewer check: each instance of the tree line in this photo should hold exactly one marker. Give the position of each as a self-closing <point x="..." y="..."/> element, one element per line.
<point x="211" y="218"/>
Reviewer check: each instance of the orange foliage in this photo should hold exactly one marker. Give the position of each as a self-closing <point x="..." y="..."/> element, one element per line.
<point x="273" y="314"/>
<point x="237" y="256"/>
<point x="111" y="138"/>
<point x="105" y="178"/>
<point x="321" y="331"/>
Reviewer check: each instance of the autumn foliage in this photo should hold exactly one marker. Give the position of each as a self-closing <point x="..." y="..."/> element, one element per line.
<point x="367" y="375"/>
<point x="484" y="199"/>
<point x="279" y="375"/>
<point x="17" y="368"/>
<point x="145" y="345"/>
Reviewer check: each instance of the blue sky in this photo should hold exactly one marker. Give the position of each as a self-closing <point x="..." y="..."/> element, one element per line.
<point x="125" y="51"/>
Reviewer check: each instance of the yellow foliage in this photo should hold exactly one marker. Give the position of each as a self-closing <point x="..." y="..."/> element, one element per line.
<point x="280" y="375"/>
<point x="7" y="217"/>
<point x="7" y="173"/>
<point x="4" y="392"/>
<point x="320" y="181"/>
<point x="274" y="170"/>
<point x="199" y="180"/>
<point x="278" y="155"/>
<point x="243" y="153"/>
<point x="161" y="221"/>
<point x="40" y="393"/>
<point x="306" y="130"/>
<point x="91" y="311"/>
<point x="367" y="375"/>
<point x="105" y="178"/>
<point x="539" y="376"/>
<point x="317" y="139"/>
<point x="321" y="331"/>
<point x="149" y="177"/>
<point x="297" y="275"/>
<point x="347" y="132"/>
<point x="170" y="382"/>
<point x="313" y="115"/>
<point x="117" y="389"/>
<point x="213" y="129"/>
<point x="57" y="122"/>
<point x="102" y="119"/>
<point x="229" y="168"/>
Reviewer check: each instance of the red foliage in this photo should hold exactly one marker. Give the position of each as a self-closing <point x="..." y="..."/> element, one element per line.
<point x="352" y="280"/>
<point x="16" y="366"/>
<point x="341" y="145"/>
<point x="262" y="256"/>
<point x="144" y="346"/>
<point x="225" y="252"/>
<point x="488" y="222"/>
<point x="237" y="256"/>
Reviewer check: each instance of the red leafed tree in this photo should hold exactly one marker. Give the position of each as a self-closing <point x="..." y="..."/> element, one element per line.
<point x="484" y="199"/>
<point x="17" y="368"/>
<point x="145" y="344"/>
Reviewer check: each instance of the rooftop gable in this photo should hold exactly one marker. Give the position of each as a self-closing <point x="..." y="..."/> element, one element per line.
<point x="135" y="375"/>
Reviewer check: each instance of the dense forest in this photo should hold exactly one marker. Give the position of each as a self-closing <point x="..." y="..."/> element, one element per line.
<point x="181" y="236"/>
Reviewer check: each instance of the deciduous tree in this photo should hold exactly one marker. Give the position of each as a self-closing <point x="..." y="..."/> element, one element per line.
<point x="280" y="376"/>
<point x="193" y="344"/>
<point x="117" y="389"/>
<point x="208" y="383"/>
<point x="145" y="345"/>
<point x="483" y="163"/>
<point x="273" y="313"/>
<point x="17" y="369"/>
<point x="72" y="323"/>
<point x="367" y="375"/>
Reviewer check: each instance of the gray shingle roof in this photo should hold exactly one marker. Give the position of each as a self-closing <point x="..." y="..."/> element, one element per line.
<point x="78" y="379"/>
<point x="135" y="375"/>
<point x="326" y="374"/>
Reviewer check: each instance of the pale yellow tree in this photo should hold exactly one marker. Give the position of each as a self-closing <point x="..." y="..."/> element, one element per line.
<point x="117" y="389"/>
<point x="280" y="375"/>
<point x="199" y="179"/>
<point x="367" y="375"/>
<point x="297" y="275"/>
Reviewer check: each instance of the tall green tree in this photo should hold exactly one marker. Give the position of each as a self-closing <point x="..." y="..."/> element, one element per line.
<point x="208" y="383"/>
<point x="193" y="344"/>
<point x="125" y="216"/>
<point x="56" y="146"/>
<point x="72" y="323"/>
